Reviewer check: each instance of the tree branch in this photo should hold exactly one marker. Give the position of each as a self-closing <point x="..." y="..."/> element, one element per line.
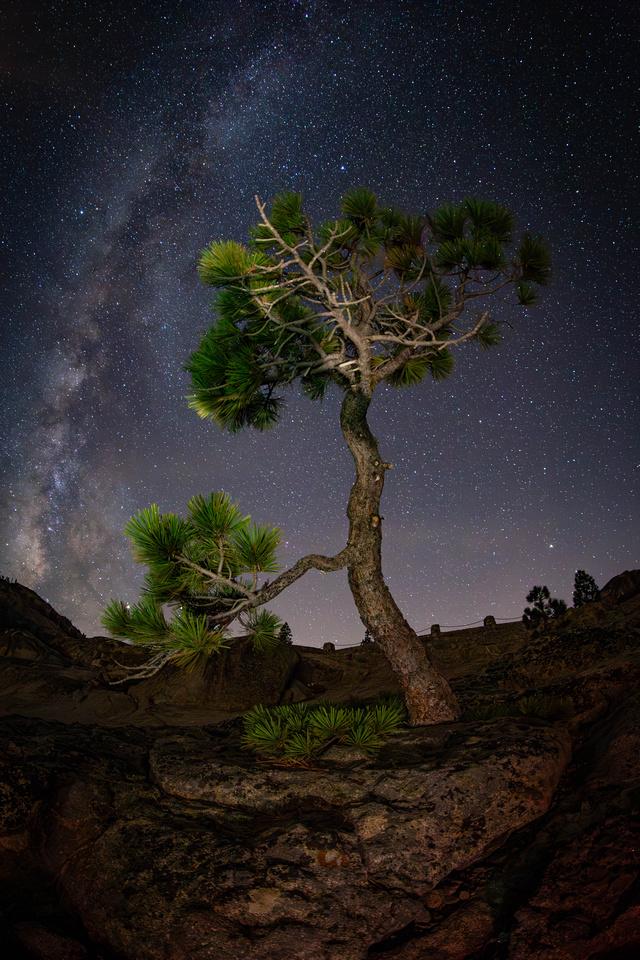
<point x="256" y="598"/>
<point x="314" y="561"/>
<point x="215" y="577"/>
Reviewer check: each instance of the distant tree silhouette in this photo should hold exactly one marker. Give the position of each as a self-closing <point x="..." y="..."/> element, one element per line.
<point x="545" y="607"/>
<point x="367" y="638"/>
<point x="585" y="589"/>
<point x="285" y="634"/>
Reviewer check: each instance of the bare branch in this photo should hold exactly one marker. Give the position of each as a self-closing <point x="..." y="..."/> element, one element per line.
<point x="215" y="577"/>
<point x="271" y="589"/>
<point x="314" y="561"/>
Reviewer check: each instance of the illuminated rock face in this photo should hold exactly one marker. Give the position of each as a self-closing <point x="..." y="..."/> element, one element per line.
<point x="140" y="830"/>
<point x="220" y="856"/>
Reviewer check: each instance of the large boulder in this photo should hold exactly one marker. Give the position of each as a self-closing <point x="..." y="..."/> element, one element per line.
<point x="21" y="609"/>
<point x="586" y="901"/>
<point x="219" y="857"/>
<point x="567" y="887"/>
<point x="622" y="594"/>
<point x="625" y="586"/>
<point x="359" y="672"/>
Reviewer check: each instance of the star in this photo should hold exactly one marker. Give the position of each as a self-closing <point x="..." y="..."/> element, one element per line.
<point x="131" y="143"/>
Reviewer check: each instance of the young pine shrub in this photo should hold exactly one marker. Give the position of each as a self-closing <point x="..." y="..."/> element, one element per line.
<point x="300" y="734"/>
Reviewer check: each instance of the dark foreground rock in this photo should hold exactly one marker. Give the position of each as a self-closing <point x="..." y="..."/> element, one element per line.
<point x="133" y="826"/>
<point x="182" y="847"/>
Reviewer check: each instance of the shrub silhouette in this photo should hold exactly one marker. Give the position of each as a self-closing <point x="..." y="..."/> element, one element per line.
<point x="585" y="589"/>
<point x="545" y="608"/>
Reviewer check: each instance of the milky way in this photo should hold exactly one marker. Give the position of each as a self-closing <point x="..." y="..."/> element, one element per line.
<point x="133" y="138"/>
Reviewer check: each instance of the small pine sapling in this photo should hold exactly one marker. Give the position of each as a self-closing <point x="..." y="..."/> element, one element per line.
<point x="299" y="734"/>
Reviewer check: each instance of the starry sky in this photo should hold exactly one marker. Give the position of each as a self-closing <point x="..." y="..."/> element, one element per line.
<point x="134" y="134"/>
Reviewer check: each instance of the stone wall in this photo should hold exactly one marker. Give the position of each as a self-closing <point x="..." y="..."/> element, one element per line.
<point x="458" y="652"/>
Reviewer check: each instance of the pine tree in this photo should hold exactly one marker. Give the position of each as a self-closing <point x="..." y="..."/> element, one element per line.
<point x="585" y="589"/>
<point x="545" y="607"/>
<point x="373" y="297"/>
<point x="367" y="639"/>
<point x="285" y="635"/>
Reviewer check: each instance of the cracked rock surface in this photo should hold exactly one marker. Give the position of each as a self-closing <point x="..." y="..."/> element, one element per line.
<point x="171" y="848"/>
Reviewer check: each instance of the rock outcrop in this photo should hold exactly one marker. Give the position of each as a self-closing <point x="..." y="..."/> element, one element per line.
<point x="134" y="827"/>
<point x="212" y="855"/>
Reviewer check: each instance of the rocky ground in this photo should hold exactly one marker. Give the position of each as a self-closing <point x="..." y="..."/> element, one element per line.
<point x="134" y="827"/>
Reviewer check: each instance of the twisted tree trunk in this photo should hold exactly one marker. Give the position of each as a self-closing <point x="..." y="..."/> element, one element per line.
<point x="428" y="695"/>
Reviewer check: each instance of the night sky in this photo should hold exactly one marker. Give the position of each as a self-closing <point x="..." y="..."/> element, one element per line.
<point x="134" y="134"/>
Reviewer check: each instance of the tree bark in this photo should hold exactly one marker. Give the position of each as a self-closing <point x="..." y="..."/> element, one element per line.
<point x="428" y="695"/>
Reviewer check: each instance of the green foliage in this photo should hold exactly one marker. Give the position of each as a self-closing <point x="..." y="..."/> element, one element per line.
<point x="198" y="568"/>
<point x="256" y="547"/>
<point x="116" y="618"/>
<point x="141" y="624"/>
<point x="447" y="223"/>
<point x="533" y="260"/>
<point x="263" y="627"/>
<point x="186" y="636"/>
<point x="440" y="364"/>
<point x="412" y="372"/>
<point x="488" y="335"/>
<point x="223" y="261"/>
<point x="585" y="589"/>
<point x="226" y="375"/>
<point x="285" y="635"/>
<point x="376" y="292"/>
<point x="155" y="536"/>
<point x="471" y="235"/>
<point x="216" y="518"/>
<point x="300" y="733"/>
<point x="287" y="220"/>
<point x="361" y="206"/>
<point x="191" y="640"/>
<point x="489" y="220"/>
<point x="526" y="294"/>
<point x="545" y="608"/>
<point x="330" y="721"/>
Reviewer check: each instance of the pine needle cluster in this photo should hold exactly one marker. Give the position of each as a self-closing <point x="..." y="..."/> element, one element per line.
<point x="203" y="570"/>
<point x="300" y="733"/>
